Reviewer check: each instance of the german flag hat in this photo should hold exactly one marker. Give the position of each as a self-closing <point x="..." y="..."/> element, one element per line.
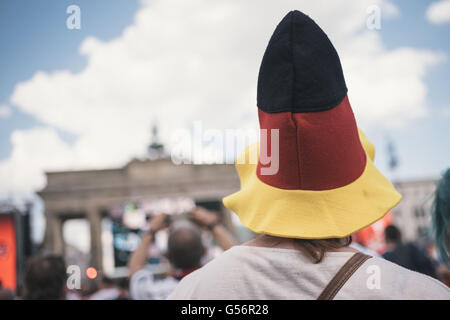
<point x="325" y="184"/>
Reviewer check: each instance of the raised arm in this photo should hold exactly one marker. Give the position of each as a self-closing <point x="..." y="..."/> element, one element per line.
<point x="139" y="257"/>
<point x="211" y="220"/>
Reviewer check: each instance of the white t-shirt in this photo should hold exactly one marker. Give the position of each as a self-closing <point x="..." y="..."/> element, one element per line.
<point x="144" y="286"/>
<point x="248" y="272"/>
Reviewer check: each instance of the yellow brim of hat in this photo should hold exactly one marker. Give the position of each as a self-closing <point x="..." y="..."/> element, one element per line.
<point x="308" y="214"/>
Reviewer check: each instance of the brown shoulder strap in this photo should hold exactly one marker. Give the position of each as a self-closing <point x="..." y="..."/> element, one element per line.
<point x="343" y="275"/>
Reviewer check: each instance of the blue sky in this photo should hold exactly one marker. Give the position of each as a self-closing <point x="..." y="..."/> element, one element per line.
<point x="33" y="38"/>
<point x="424" y="145"/>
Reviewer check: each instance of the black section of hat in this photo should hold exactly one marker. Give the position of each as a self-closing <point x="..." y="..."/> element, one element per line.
<point x="300" y="70"/>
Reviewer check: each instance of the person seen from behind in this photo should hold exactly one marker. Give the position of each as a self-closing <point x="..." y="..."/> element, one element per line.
<point x="407" y="255"/>
<point x="45" y="278"/>
<point x="313" y="185"/>
<point x="440" y="213"/>
<point x="185" y="251"/>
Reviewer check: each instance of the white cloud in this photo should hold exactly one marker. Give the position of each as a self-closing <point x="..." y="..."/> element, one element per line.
<point x="446" y="112"/>
<point x="34" y="151"/>
<point x="386" y="88"/>
<point x="389" y="9"/>
<point x="178" y="64"/>
<point x="5" y="111"/>
<point x="439" y="12"/>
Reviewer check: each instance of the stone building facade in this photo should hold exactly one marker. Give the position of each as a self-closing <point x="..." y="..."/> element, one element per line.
<point x="89" y="193"/>
<point x="412" y="215"/>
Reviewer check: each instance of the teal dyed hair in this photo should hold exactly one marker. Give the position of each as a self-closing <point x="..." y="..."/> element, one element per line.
<point x="440" y="212"/>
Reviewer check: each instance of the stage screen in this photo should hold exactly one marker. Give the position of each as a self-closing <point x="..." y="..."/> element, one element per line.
<point x="8" y="270"/>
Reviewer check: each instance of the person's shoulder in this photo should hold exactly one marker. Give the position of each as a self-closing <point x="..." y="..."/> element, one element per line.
<point x="185" y="287"/>
<point x="225" y="259"/>
<point x="408" y="284"/>
<point x="209" y="273"/>
<point x="214" y="264"/>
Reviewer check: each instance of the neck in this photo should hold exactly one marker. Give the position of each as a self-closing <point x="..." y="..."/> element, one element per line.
<point x="267" y="241"/>
<point x="180" y="274"/>
<point x="264" y="240"/>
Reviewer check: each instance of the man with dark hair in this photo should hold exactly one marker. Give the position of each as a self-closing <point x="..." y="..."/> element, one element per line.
<point x="392" y="235"/>
<point x="45" y="277"/>
<point x="185" y="247"/>
<point x="407" y="255"/>
<point x="185" y="251"/>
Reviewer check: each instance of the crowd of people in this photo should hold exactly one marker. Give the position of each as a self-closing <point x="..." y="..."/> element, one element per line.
<point x="46" y="276"/>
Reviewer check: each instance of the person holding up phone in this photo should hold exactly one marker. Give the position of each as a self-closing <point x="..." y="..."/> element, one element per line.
<point x="185" y="250"/>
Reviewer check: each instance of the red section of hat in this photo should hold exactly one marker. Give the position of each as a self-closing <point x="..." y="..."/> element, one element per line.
<point x="317" y="150"/>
